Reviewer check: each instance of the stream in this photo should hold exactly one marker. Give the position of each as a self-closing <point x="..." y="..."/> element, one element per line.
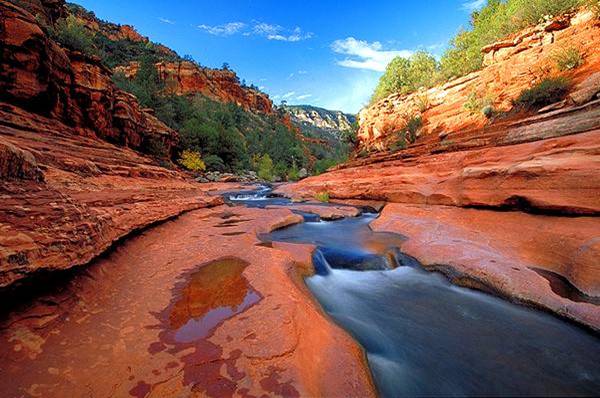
<point x="424" y="336"/>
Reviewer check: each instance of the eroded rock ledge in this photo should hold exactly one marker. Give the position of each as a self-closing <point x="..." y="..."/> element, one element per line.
<point x="484" y="212"/>
<point x="66" y="198"/>
<point x="509" y="205"/>
<point x="147" y="309"/>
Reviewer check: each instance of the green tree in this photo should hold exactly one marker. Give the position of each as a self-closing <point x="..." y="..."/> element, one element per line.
<point x="73" y="34"/>
<point x="495" y="20"/>
<point x="265" y="168"/>
<point x="405" y="75"/>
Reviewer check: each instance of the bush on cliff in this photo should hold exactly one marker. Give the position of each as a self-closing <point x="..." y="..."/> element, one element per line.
<point x="546" y="92"/>
<point x="567" y="58"/>
<point x="72" y="34"/>
<point x="405" y="75"/>
<point x="495" y="20"/>
<point x="322" y="196"/>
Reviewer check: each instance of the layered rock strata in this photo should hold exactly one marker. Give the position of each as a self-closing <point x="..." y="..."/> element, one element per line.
<point x="509" y="205"/>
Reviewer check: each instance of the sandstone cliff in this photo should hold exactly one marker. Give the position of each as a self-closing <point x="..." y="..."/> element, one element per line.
<point x="492" y="202"/>
<point x="67" y="190"/>
<point x="181" y="77"/>
<point x="187" y="78"/>
<point x="43" y="78"/>
<point x="512" y="65"/>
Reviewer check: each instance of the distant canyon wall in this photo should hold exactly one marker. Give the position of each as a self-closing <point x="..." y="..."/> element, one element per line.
<point x="187" y="78"/>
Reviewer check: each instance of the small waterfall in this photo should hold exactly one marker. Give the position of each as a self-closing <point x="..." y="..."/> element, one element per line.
<point x="321" y="265"/>
<point x="261" y="193"/>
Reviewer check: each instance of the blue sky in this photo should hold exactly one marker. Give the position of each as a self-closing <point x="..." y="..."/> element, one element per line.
<point x="324" y="53"/>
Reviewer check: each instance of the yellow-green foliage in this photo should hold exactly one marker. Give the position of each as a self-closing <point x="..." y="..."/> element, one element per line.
<point x="405" y="75"/>
<point x="476" y="104"/>
<point x="567" y="58"/>
<point x="293" y="174"/>
<point x="192" y="161"/>
<point x="72" y="33"/>
<point x="322" y="196"/>
<point x="265" y="168"/>
<point x="495" y="20"/>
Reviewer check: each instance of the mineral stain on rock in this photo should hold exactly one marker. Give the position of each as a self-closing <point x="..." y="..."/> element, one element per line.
<point x="203" y="300"/>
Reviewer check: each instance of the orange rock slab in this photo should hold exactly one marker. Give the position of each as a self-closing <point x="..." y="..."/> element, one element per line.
<point x="127" y="324"/>
<point x="501" y="251"/>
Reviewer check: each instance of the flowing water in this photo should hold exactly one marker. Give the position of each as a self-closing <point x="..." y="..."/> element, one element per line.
<point x="424" y="336"/>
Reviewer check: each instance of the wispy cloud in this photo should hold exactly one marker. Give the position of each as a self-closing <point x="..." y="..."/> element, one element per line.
<point x="265" y="29"/>
<point x="296" y="35"/>
<point x="279" y="33"/>
<point x="227" y="29"/>
<point x="262" y="29"/>
<point x="365" y="55"/>
<point x="303" y="97"/>
<point x="302" y="72"/>
<point x="167" y="21"/>
<point x="288" y="95"/>
<point x="473" y="5"/>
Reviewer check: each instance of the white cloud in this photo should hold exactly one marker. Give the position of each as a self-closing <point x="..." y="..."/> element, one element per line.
<point x="266" y="30"/>
<point x="303" y="97"/>
<point x="279" y="33"/>
<point x="352" y="94"/>
<point x="227" y="29"/>
<point x="365" y="55"/>
<point x="167" y="21"/>
<point x="473" y="5"/>
<point x="302" y="72"/>
<point x="288" y="95"/>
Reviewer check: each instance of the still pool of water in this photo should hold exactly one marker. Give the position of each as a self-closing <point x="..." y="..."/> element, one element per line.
<point x="426" y="337"/>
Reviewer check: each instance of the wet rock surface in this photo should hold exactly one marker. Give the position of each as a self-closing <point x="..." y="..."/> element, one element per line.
<point x="426" y="337"/>
<point x="480" y="213"/>
<point x="496" y="251"/>
<point x="184" y="310"/>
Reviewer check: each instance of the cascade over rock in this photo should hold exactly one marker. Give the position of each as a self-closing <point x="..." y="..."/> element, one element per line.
<point x="74" y="181"/>
<point x="489" y="202"/>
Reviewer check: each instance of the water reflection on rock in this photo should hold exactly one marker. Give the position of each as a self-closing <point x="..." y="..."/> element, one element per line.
<point x="204" y="299"/>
